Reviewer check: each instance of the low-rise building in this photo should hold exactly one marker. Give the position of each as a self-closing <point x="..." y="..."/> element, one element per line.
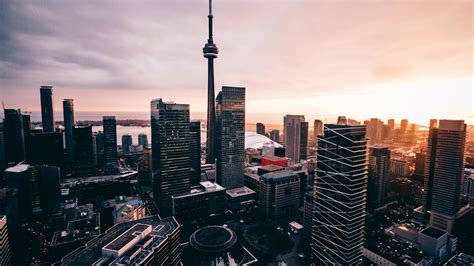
<point x="241" y="199"/>
<point x="125" y="208"/>
<point x="279" y="194"/>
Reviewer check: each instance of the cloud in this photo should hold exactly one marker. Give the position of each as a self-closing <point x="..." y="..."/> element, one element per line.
<point x="277" y="49"/>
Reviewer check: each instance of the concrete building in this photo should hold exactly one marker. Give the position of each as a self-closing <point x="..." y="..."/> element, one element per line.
<point x="208" y="200"/>
<point x="468" y="187"/>
<point x="143" y="140"/>
<point x="295" y="130"/>
<point x="279" y="194"/>
<point x="147" y="241"/>
<point x="127" y="142"/>
<point x="261" y="129"/>
<point x="241" y="199"/>
<point x="126" y="209"/>
<point x="399" y="168"/>
<point x="318" y="129"/>
<point x="275" y="135"/>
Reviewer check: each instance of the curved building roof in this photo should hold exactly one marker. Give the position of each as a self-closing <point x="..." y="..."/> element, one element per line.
<point x="213" y="238"/>
<point x="256" y="141"/>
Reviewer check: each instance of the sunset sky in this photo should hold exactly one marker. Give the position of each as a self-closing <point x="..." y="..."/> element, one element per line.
<point x="359" y="58"/>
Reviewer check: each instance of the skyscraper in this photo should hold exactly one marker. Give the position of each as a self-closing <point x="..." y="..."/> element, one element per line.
<point x="318" y="129"/>
<point x="292" y="131"/>
<point x="275" y="135"/>
<point x="433" y="123"/>
<point x="404" y="125"/>
<point x="444" y="173"/>
<point x="304" y="140"/>
<point x="45" y="148"/>
<point x="83" y="151"/>
<point x="99" y="139"/>
<point x="109" y="125"/>
<point x="374" y="131"/>
<point x="47" y="111"/>
<point x="5" y="253"/>
<point x="261" y="129"/>
<point x="391" y="123"/>
<point x="195" y="150"/>
<point x="170" y="152"/>
<point x="210" y="52"/>
<point x="340" y="196"/>
<point x="143" y="140"/>
<point x="3" y="161"/>
<point x="14" y="137"/>
<point x="379" y="170"/>
<point x="126" y="143"/>
<point x="69" y="122"/>
<point x="231" y="137"/>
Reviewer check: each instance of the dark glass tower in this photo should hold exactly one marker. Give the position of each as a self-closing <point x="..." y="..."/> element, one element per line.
<point x="379" y="169"/>
<point x="3" y="163"/>
<point x="45" y="148"/>
<point x="340" y="189"/>
<point x="110" y="145"/>
<point x="47" y="112"/>
<point x="14" y="137"/>
<point x="195" y="150"/>
<point x="126" y="143"/>
<point x="69" y="122"/>
<point x="210" y="52"/>
<point x="83" y="151"/>
<point x="261" y="129"/>
<point x="170" y="152"/>
<point x="231" y="137"/>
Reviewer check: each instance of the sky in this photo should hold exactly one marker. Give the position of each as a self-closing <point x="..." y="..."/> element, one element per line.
<point x="359" y="58"/>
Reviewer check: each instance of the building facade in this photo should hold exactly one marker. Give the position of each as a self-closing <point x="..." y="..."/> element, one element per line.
<point x="231" y="137"/>
<point x="110" y="164"/>
<point x="279" y="194"/>
<point x="195" y="150"/>
<point x="69" y="123"/>
<point x="170" y="152"/>
<point x="14" y="136"/>
<point x="5" y="254"/>
<point x="340" y="196"/>
<point x="260" y="128"/>
<point x="83" y="151"/>
<point x="379" y="170"/>
<point x="293" y="131"/>
<point x="47" y="111"/>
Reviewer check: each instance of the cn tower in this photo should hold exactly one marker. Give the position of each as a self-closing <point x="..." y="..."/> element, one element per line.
<point x="210" y="52"/>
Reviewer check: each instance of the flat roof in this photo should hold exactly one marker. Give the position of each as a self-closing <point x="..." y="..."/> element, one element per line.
<point x="272" y="167"/>
<point x="240" y="191"/>
<point x="433" y="232"/>
<point x="278" y="176"/>
<point x="18" y="168"/>
<point x="126" y="237"/>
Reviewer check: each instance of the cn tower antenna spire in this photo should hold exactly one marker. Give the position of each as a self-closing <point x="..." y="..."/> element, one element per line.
<point x="210" y="52"/>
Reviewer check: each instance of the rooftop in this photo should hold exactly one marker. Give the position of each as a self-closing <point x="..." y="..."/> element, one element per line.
<point x="256" y="141"/>
<point x="279" y="176"/>
<point x="116" y="238"/>
<point x="73" y="182"/>
<point x="240" y="191"/>
<point x="18" y="168"/>
<point x="213" y="238"/>
<point x="433" y="232"/>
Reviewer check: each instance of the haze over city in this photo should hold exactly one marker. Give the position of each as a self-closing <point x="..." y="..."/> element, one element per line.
<point x="389" y="59"/>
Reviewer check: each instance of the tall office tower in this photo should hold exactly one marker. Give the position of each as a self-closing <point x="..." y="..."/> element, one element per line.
<point x="231" y="137"/>
<point x="379" y="170"/>
<point x="195" y="150"/>
<point x="3" y="161"/>
<point x="275" y="135"/>
<point x="292" y="131"/>
<point x="45" y="148"/>
<point x="5" y="252"/>
<point x="374" y="131"/>
<point x="170" y="152"/>
<point x="99" y="139"/>
<point x="342" y="120"/>
<point x="144" y="169"/>
<point x="143" y="140"/>
<point x="210" y="52"/>
<point x="261" y="129"/>
<point x="109" y="125"/>
<point x="69" y="122"/>
<point x="126" y="143"/>
<point x="318" y="129"/>
<point x="433" y="123"/>
<point x="83" y="151"/>
<point x="444" y="173"/>
<point x="420" y="162"/>
<point x="37" y="186"/>
<point x="304" y="140"/>
<point x="404" y="125"/>
<point x="391" y="123"/>
<point x="47" y="112"/>
<point x="340" y="196"/>
<point x="13" y="134"/>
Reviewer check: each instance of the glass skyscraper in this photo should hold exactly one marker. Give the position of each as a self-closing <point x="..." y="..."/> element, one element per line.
<point x="110" y="144"/>
<point x="14" y="137"/>
<point x="69" y="122"/>
<point x="83" y="151"/>
<point x="170" y="152"/>
<point x="340" y="189"/>
<point x="47" y="112"/>
<point x="294" y="130"/>
<point x="231" y="137"/>
<point x="195" y="150"/>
